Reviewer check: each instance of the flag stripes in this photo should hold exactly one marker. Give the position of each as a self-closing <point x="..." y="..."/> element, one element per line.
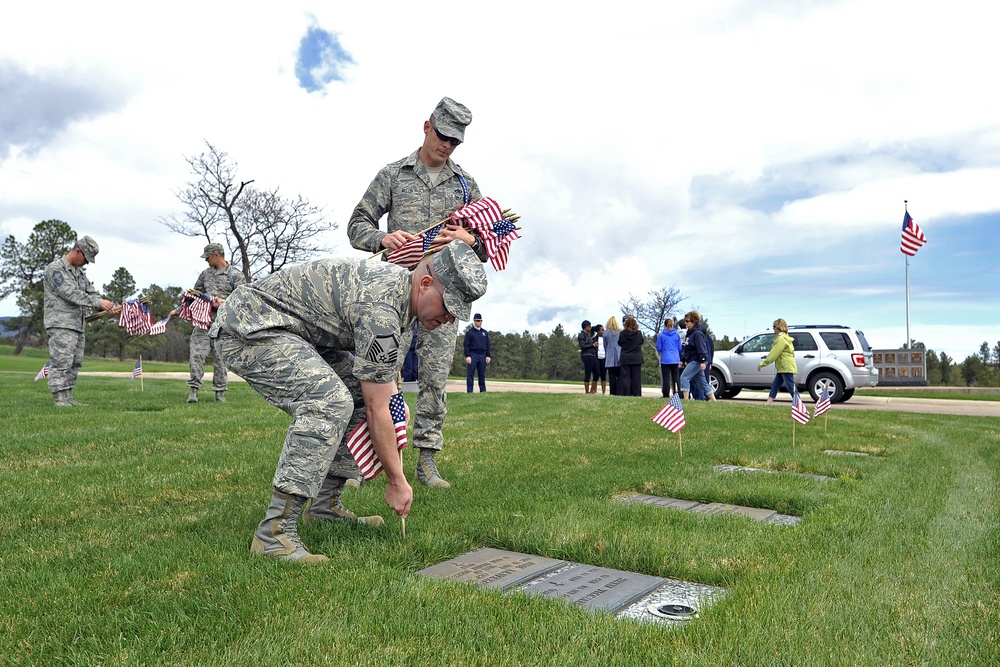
<point x="913" y="238"/>
<point x="135" y="317"/>
<point x="799" y="411"/>
<point x="671" y="416"/>
<point x="360" y="442"/>
<point x="823" y="404"/>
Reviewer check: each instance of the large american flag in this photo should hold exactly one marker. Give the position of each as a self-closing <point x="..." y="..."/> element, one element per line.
<point x="913" y="239"/>
<point x="799" y="411"/>
<point x="671" y="417"/>
<point x="823" y="404"/>
<point x="410" y="253"/>
<point x="486" y="217"/>
<point x="360" y="442"/>
<point x="44" y="373"/>
<point x="135" y="317"/>
<point x="196" y="308"/>
<point x="137" y="371"/>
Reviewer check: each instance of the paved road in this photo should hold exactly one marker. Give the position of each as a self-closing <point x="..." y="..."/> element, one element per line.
<point x="859" y="402"/>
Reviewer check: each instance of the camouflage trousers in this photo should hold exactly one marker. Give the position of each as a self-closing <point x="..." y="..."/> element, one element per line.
<point x="435" y="353"/>
<point x="201" y="345"/>
<point x="65" y="358"/>
<point x="318" y="390"/>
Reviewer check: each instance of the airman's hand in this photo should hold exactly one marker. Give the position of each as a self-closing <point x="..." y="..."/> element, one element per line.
<point x="394" y="240"/>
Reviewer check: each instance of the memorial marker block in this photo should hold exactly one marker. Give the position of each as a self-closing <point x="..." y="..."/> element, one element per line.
<point x="643" y="499"/>
<point x="595" y="588"/>
<point x="838" y="452"/>
<point x="722" y="508"/>
<point x="493" y="568"/>
<point x="732" y="468"/>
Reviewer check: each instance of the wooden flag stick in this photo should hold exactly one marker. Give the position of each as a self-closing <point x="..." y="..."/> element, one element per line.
<point x="142" y="387"/>
<point x="680" y="444"/>
<point x="825" y="418"/>
<point x="793" y="433"/>
<point x="402" y="518"/>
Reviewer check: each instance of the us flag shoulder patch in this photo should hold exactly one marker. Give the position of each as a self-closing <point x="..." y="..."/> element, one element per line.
<point x="384" y="350"/>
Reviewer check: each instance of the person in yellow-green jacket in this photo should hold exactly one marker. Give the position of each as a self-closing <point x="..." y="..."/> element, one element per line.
<point x="782" y="355"/>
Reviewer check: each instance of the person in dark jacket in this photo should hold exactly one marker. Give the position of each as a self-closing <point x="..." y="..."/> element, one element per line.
<point x="630" y="341"/>
<point x="588" y="355"/>
<point x="696" y="359"/>
<point x="477" y="353"/>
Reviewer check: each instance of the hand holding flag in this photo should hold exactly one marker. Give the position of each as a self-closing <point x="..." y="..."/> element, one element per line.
<point x="360" y="442"/>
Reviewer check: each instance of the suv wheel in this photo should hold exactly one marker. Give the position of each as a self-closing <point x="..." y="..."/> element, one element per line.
<point x="717" y="383"/>
<point x="834" y="385"/>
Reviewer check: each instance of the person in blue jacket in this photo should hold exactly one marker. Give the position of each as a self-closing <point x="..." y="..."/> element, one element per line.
<point x="477" y="353"/>
<point x="668" y="346"/>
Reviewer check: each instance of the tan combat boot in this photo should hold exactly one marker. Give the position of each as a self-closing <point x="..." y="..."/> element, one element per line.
<point x="277" y="535"/>
<point x="326" y="506"/>
<point x="427" y="472"/>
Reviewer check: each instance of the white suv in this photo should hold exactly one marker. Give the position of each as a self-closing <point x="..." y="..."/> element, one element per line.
<point x="832" y="356"/>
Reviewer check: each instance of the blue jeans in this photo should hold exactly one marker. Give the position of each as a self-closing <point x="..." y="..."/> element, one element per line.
<point x="693" y="370"/>
<point x="786" y="379"/>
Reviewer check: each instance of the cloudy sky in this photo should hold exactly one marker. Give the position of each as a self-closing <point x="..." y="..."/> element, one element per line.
<point x="755" y="155"/>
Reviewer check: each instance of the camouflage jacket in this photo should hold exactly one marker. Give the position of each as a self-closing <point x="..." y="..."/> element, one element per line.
<point x="219" y="282"/>
<point x="346" y="304"/>
<point x="68" y="295"/>
<point x="402" y="189"/>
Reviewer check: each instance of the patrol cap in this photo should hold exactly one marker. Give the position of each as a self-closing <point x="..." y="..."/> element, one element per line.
<point x="451" y="118"/>
<point x="463" y="276"/>
<point x="477" y="316"/>
<point x="88" y="247"/>
<point x="213" y="249"/>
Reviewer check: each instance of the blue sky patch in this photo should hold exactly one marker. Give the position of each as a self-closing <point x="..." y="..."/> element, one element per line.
<point x="321" y="59"/>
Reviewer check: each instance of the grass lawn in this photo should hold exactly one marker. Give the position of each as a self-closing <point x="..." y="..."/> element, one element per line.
<point x="125" y="529"/>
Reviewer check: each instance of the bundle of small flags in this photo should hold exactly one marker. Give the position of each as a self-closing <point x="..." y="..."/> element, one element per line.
<point x="134" y="317"/>
<point x="196" y="308"/>
<point x="495" y="228"/>
<point x="44" y="373"/>
<point x="360" y="442"/>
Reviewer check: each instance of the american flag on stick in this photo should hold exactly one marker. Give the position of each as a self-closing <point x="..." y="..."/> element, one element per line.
<point x="44" y="373"/>
<point x="410" y="253"/>
<point x="135" y="317"/>
<point x="823" y="404"/>
<point x="360" y="442"/>
<point x="913" y="239"/>
<point x="671" y="417"/>
<point x="159" y="327"/>
<point x="137" y="371"/>
<point x="799" y="411"/>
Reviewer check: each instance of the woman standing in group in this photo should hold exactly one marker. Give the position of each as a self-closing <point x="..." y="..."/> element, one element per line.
<point x="783" y="355"/>
<point x="602" y="353"/>
<point x="630" y="341"/>
<point x="668" y="344"/>
<point x="696" y="354"/>
<point x="612" y="354"/>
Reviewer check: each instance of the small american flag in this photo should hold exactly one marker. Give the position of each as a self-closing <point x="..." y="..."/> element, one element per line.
<point x="823" y="404"/>
<point x="410" y="253"/>
<point x="799" y="411"/>
<point x="197" y="309"/>
<point x="137" y="371"/>
<point x="44" y="373"/>
<point x="360" y="442"/>
<point x="671" y="417"/>
<point x="913" y="239"/>
<point x="135" y="317"/>
<point x="159" y="327"/>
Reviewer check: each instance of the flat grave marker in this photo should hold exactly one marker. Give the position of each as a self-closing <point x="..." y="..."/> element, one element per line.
<point x="493" y="568"/>
<point x="732" y="468"/>
<point x="760" y="514"/>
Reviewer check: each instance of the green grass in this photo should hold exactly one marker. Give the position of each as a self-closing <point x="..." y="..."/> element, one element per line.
<point x="125" y="528"/>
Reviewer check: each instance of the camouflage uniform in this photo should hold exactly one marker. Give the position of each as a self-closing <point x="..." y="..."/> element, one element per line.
<point x="220" y="283"/>
<point x="68" y="294"/>
<point x="404" y="191"/>
<point x="290" y="336"/>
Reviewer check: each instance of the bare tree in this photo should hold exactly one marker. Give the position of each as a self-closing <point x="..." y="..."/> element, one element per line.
<point x="262" y="230"/>
<point x="652" y="311"/>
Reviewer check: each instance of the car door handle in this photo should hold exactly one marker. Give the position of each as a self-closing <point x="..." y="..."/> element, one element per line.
<point x="810" y="356"/>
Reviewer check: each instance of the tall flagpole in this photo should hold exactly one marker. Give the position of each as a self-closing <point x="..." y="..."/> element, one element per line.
<point x="907" y="345"/>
